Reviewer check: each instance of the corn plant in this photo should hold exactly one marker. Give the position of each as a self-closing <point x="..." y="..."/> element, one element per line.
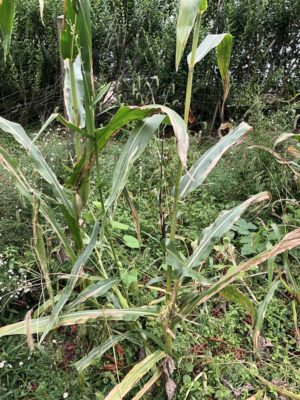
<point x="68" y="307"/>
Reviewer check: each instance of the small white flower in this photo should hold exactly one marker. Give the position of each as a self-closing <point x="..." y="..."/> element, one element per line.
<point x="65" y="395"/>
<point x="2" y="363"/>
<point x="21" y="363"/>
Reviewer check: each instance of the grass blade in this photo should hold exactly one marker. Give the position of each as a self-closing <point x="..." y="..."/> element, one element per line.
<point x="40" y="325"/>
<point x="73" y="92"/>
<point x="282" y="391"/>
<point x="205" y="164"/>
<point x="76" y="270"/>
<point x="43" y="168"/>
<point x="148" y="385"/>
<point x="98" y="352"/>
<point x="135" y="146"/>
<point x="188" y="10"/>
<point x="102" y="92"/>
<point x="261" y="312"/>
<point x="39" y="248"/>
<point x="135" y="375"/>
<point x="223" y="224"/>
<point x="93" y="291"/>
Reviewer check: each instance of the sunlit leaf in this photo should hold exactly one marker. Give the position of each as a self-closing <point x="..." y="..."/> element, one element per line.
<point x="43" y="168"/>
<point x="188" y="10"/>
<point x="217" y="229"/>
<point x="40" y="325"/>
<point x="203" y="6"/>
<point x="208" y="44"/>
<point x="93" y="291"/>
<point x="206" y="163"/>
<point x="131" y="242"/>
<point x="135" y="146"/>
<point x="73" y="92"/>
<point x="75" y="274"/>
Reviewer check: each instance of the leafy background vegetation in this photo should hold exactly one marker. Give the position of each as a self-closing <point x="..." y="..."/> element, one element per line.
<point x="134" y="45"/>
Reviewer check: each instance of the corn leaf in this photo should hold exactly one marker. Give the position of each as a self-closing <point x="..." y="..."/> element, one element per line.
<point x="223" y="224"/>
<point x="135" y="146"/>
<point x="40" y="325"/>
<point x="40" y="250"/>
<point x="86" y="53"/>
<point x="208" y="44"/>
<point x="123" y="117"/>
<point x="188" y="10"/>
<point x="12" y="167"/>
<point x="179" y="127"/>
<point x="73" y="92"/>
<point x="205" y="164"/>
<point x="98" y="351"/>
<point x="75" y="273"/>
<point x="135" y="375"/>
<point x="45" y="126"/>
<point x="261" y="313"/>
<point x="93" y="291"/>
<point x="7" y="11"/>
<point x="290" y="241"/>
<point x="43" y="168"/>
<point x="148" y="385"/>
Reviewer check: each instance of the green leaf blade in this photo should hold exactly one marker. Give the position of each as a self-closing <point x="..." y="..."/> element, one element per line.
<point x="188" y="10"/>
<point x="223" y="224"/>
<point x="7" y="12"/>
<point x="206" y="163"/>
<point x="135" y="375"/>
<point x="135" y="146"/>
<point x="208" y="44"/>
